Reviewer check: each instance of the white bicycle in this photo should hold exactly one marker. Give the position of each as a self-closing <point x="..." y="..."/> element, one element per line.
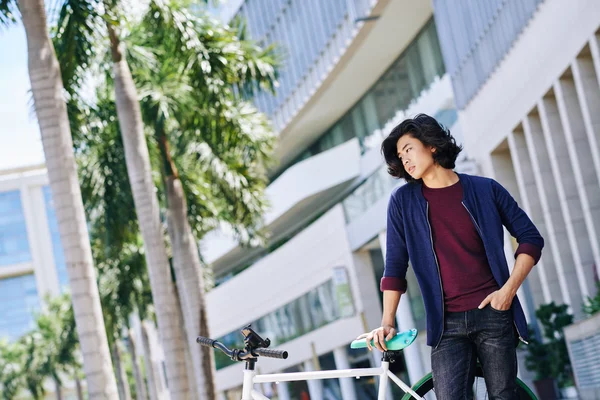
<point x="255" y="347"/>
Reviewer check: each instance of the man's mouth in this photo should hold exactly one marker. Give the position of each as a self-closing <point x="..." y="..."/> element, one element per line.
<point x="411" y="169"/>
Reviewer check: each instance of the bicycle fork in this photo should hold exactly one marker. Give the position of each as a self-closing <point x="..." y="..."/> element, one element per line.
<point x="248" y="392"/>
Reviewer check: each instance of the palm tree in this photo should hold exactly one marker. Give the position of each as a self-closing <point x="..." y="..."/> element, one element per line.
<point x="140" y="385"/>
<point x="33" y="362"/>
<point x="140" y="178"/>
<point x="117" y="247"/>
<point x="236" y="62"/>
<point x="47" y="87"/>
<point x="226" y="142"/>
<point x="55" y="341"/>
<point x="11" y="370"/>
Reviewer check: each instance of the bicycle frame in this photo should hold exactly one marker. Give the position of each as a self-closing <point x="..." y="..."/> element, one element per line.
<point x="383" y="372"/>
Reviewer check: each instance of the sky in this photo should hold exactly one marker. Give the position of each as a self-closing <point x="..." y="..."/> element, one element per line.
<point x="20" y="141"/>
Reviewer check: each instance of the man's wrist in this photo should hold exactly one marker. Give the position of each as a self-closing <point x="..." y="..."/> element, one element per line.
<point x="510" y="289"/>
<point x="386" y="322"/>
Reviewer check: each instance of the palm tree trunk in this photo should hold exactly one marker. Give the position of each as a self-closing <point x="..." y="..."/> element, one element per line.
<point x="149" y="363"/>
<point x="122" y="383"/>
<point x="188" y="272"/>
<point x="140" y="385"/>
<point x="146" y="204"/>
<point x="78" y="387"/>
<point x="58" y="389"/>
<point x="189" y="365"/>
<point x="47" y="87"/>
<point x="186" y="261"/>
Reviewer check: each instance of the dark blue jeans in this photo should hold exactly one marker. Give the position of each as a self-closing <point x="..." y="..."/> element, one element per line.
<point x="487" y="335"/>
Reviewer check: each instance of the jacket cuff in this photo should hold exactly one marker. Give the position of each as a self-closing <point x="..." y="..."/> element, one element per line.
<point x="530" y="249"/>
<point x="392" y="283"/>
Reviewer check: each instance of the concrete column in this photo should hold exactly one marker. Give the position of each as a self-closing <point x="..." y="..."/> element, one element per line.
<point x="283" y="391"/>
<point x="552" y="287"/>
<point x="582" y="161"/>
<point x="367" y="289"/>
<point x="412" y="354"/>
<point x="40" y="242"/>
<point x="346" y="384"/>
<point x="565" y="188"/>
<point x="595" y="53"/>
<point x="588" y="94"/>
<point x="504" y="172"/>
<point x="557" y="238"/>
<point x="524" y="293"/>
<point x="315" y="387"/>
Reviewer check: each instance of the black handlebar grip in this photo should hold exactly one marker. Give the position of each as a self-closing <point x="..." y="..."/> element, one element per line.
<point x="272" y="353"/>
<point x="204" y="341"/>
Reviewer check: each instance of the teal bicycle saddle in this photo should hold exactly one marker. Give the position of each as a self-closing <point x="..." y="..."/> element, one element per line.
<point x="398" y="342"/>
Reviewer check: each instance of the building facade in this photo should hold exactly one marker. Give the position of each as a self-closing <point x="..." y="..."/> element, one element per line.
<point x="526" y="78"/>
<point x="32" y="264"/>
<point x="352" y="70"/>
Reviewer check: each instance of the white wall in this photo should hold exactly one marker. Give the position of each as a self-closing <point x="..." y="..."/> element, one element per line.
<point x="557" y="32"/>
<point x="534" y="127"/>
<point x="303" y="263"/>
<point x="307" y="178"/>
<point x="300" y="265"/>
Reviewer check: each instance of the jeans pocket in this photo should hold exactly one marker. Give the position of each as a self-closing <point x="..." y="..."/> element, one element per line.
<point x="499" y="311"/>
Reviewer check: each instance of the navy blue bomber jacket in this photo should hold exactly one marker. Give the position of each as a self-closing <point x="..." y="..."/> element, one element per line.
<point x="409" y="238"/>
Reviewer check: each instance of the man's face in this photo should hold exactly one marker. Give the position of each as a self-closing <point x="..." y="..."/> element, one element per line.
<point x="415" y="157"/>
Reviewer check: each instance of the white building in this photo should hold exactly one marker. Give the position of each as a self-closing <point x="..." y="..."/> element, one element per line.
<point x="534" y="124"/>
<point x="31" y="258"/>
<point x="353" y="70"/>
<point x="526" y="76"/>
<point x="32" y="264"/>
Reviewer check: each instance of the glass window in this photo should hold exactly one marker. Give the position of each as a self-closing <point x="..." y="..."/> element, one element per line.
<point x="378" y="185"/>
<point x="298" y="390"/>
<point x="378" y="263"/>
<point x="18" y="303"/>
<point x="57" y="249"/>
<point x="366" y="387"/>
<point x="14" y="244"/>
<point x="311" y="311"/>
<point x="331" y="387"/>
<point x="400" y="85"/>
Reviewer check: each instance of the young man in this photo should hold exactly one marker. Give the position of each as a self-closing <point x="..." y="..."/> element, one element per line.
<point x="449" y="226"/>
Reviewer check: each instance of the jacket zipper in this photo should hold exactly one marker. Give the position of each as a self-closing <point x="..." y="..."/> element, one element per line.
<point x="481" y="235"/>
<point x="439" y="275"/>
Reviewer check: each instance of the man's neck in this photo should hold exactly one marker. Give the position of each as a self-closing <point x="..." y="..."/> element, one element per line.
<point x="439" y="177"/>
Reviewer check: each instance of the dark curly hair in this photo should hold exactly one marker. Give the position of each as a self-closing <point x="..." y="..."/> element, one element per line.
<point x="431" y="133"/>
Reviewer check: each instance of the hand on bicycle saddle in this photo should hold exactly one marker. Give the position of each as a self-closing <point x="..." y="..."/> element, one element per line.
<point x="379" y="336"/>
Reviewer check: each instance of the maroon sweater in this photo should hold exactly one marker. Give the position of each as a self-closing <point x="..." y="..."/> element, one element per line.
<point x="466" y="275"/>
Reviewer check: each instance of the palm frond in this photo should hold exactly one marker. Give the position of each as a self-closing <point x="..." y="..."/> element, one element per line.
<point x="76" y="37"/>
<point x="8" y="12"/>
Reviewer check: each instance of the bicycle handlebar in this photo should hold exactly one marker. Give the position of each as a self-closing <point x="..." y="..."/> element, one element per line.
<point x="241" y="355"/>
<point x="281" y="354"/>
<point x="204" y="341"/>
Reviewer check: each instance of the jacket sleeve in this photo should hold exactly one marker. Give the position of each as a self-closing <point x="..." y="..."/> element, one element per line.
<point x="396" y="256"/>
<point x="518" y="223"/>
